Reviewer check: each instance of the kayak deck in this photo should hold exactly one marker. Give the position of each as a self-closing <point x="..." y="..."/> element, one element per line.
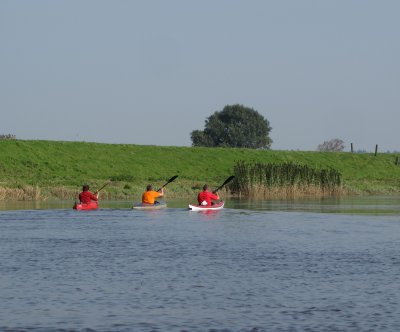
<point x="144" y="206"/>
<point x="86" y="206"/>
<point x="217" y="206"/>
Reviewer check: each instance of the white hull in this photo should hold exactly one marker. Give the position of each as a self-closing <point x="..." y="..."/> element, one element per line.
<point x="214" y="207"/>
<point x="142" y="206"/>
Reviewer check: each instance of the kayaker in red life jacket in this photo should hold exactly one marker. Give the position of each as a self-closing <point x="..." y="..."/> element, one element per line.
<point x="205" y="197"/>
<point x="86" y="196"/>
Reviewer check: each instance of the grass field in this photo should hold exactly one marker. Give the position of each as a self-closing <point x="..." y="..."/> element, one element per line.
<point x="46" y="169"/>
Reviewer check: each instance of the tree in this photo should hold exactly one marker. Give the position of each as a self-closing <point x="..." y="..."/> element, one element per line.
<point x="7" y="137"/>
<point x="334" y="145"/>
<point x="235" y="126"/>
<point x="200" y="139"/>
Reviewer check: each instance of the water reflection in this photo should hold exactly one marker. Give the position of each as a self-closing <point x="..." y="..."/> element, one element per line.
<point x="34" y="205"/>
<point x="206" y="215"/>
<point x="351" y="204"/>
<point x="58" y="204"/>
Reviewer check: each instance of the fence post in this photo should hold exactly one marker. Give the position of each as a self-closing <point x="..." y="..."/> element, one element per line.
<point x="376" y="150"/>
<point x="351" y="147"/>
<point x="396" y="162"/>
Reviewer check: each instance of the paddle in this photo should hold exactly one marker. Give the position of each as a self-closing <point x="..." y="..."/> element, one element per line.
<point x="225" y="183"/>
<point x="170" y="180"/>
<point x="106" y="184"/>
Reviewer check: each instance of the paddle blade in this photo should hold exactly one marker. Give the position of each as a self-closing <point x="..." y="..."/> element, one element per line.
<point x="228" y="180"/>
<point x="225" y="183"/>
<point x="170" y="180"/>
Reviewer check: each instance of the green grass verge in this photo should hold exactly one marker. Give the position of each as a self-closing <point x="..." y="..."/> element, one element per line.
<point x="51" y="165"/>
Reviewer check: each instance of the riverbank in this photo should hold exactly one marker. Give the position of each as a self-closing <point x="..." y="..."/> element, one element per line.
<point x="41" y="170"/>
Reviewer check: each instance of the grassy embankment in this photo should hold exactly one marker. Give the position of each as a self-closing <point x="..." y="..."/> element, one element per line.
<point x="50" y="169"/>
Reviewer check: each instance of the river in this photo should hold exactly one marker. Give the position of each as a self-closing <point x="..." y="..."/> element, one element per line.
<point x="306" y="265"/>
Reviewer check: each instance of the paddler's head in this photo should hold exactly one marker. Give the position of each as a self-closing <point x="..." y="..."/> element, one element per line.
<point x="85" y="187"/>
<point x="149" y="187"/>
<point x="205" y="187"/>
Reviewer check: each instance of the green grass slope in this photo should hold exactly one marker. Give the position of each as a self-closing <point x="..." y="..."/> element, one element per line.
<point x="51" y="164"/>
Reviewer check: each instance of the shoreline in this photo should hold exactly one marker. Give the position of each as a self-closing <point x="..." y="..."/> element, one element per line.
<point x="62" y="193"/>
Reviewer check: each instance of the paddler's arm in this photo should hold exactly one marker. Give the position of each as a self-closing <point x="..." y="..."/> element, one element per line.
<point x="215" y="196"/>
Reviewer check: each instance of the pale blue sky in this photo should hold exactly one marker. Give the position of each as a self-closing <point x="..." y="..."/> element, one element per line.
<point x="151" y="71"/>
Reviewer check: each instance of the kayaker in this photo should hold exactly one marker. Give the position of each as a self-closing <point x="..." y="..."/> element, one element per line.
<point x="86" y="196"/>
<point x="149" y="196"/>
<point x="206" y="197"/>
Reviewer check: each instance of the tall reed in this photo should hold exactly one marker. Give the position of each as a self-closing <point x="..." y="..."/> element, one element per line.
<point x="24" y="193"/>
<point x="256" y="179"/>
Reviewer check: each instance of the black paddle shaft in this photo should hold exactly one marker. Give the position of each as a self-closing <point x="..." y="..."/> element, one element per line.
<point x="106" y="184"/>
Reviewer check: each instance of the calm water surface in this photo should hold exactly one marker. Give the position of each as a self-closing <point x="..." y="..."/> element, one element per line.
<point x="255" y="266"/>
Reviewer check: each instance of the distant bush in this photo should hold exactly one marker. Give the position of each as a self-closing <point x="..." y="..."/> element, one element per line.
<point x="7" y="137"/>
<point x="334" y="145"/>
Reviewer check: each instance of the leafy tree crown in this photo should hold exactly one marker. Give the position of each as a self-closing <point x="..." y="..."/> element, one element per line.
<point x="234" y="126"/>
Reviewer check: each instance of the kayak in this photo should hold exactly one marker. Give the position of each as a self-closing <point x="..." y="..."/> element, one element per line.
<point x="217" y="206"/>
<point x="144" y="206"/>
<point x="89" y="206"/>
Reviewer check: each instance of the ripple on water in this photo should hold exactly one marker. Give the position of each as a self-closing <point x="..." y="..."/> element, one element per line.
<point x="118" y="270"/>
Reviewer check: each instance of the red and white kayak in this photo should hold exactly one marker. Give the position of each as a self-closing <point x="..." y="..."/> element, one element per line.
<point x="217" y="206"/>
<point x="89" y="206"/>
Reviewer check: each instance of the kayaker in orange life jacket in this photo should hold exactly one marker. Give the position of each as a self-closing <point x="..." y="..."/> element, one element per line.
<point x="86" y="196"/>
<point x="206" y="197"/>
<point x="150" y="195"/>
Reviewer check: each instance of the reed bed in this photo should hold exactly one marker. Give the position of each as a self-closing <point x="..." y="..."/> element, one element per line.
<point x="25" y="193"/>
<point x="63" y="193"/>
<point x="286" y="180"/>
<point x="116" y="192"/>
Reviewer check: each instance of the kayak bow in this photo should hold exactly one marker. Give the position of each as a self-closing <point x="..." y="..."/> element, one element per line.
<point x="89" y="206"/>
